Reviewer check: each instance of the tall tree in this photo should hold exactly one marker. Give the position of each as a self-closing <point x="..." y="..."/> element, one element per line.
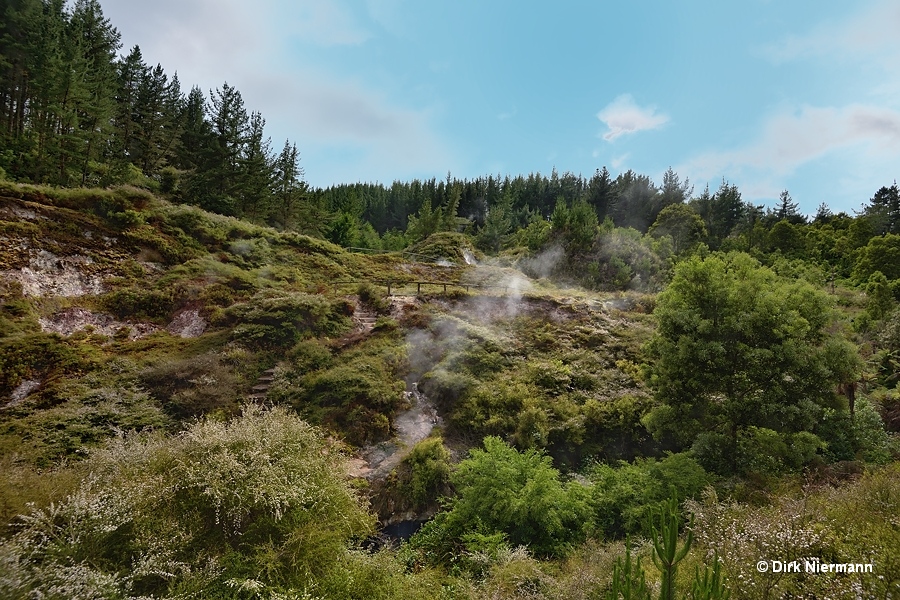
<point x="221" y="172"/>
<point x="94" y="43"/>
<point x="601" y="193"/>
<point x="131" y="73"/>
<point x="257" y="167"/>
<point x="740" y="352"/>
<point x="884" y="210"/>
<point x="637" y="202"/>
<point x="673" y="190"/>
<point x="788" y="210"/>
<point x="291" y="208"/>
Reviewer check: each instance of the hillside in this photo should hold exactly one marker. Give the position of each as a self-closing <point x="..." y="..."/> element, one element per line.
<point x="154" y="355"/>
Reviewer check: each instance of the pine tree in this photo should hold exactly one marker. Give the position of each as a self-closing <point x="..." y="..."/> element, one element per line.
<point x="673" y="190"/>
<point x="219" y="173"/>
<point x="131" y="72"/>
<point x="254" y="187"/>
<point x="291" y="208"/>
<point x="884" y="209"/>
<point x="787" y="210"/>
<point x="600" y="193"/>
<point x="94" y="45"/>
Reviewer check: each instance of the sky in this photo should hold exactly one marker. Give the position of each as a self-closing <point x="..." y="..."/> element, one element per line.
<point x="801" y="96"/>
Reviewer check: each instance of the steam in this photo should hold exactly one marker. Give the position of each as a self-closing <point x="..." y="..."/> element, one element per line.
<point x="544" y="264"/>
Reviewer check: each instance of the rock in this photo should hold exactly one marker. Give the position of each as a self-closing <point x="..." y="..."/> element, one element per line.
<point x="187" y="323"/>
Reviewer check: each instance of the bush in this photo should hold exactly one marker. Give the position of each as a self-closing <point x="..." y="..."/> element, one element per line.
<point x="428" y="465"/>
<point x="37" y="356"/>
<point x="518" y="495"/>
<point x="138" y="303"/>
<point x="282" y="321"/>
<point x="260" y="501"/>
<point x="624" y="496"/>
<point x="372" y="296"/>
<point x="194" y="386"/>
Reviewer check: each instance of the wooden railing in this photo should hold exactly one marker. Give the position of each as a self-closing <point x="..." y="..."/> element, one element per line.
<point x="392" y="285"/>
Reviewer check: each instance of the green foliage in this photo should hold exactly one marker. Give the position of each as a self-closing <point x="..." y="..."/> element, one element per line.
<point x="535" y="235"/>
<point x="428" y="465"/>
<point x="355" y="393"/>
<point x="258" y="499"/>
<point x="193" y="386"/>
<point x="738" y="347"/>
<point x="518" y="494"/>
<point x="373" y="297"/>
<point x="846" y="524"/>
<point x="139" y="303"/>
<point x="574" y="226"/>
<point x="711" y="584"/>
<point x="628" y="582"/>
<point x="786" y="238"/>
<point x="623" y="497"/>
<point x="682" y="224"/>
<point x="37" y="356"/>
<point x="879" y="299"/>
<point x="880" y="254"/>
<point x="666" y="553"/>
<point x="861" y="436"/>
<point x="444" y="245"/>
<point x="272" y="320"/>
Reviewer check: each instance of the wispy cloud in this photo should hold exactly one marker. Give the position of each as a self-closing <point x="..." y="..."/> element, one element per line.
<point x="871" y="32"/>
<point x="507" y="114"/>
<point x="211" y="41"/>
<point x="622" y="116"/>
<point x="618" y="162"/>
<point x="789" y="140"/>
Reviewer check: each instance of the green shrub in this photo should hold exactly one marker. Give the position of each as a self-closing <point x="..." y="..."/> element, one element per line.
<point x="260" y="501"/>
<point x="139" y="303"/>
<point x="519" y="495"/>
<point x="37" y="356"/>
<point x="428" y="465"/>
<point x="624" y="496"/>
<point x="373" y="297"/>
<point x="282" y="321"/>
<point x="193" y="386"/>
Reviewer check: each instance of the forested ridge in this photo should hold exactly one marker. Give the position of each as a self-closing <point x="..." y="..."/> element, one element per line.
<point x="619" y="388"/>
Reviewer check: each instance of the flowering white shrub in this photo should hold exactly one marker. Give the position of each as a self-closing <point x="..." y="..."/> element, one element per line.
<point x="262" y="498"/>
<point x="854" y="524"/>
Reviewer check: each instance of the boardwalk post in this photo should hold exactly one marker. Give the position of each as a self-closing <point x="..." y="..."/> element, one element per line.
<point x="389" y="288"/>
<point x="418" y="288"/>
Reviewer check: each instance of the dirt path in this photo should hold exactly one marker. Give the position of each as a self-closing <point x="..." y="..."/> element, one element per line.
<point x="411" y="426"/>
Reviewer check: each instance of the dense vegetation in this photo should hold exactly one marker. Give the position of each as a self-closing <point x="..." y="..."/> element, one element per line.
<point x="639" y="391"/>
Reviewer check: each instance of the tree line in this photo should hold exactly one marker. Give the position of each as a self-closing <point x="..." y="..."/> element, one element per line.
<point x="75" y="113"/>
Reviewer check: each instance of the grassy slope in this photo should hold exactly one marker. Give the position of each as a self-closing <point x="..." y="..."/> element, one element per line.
<point x="537" y="365"/>
<point x="266" y="296"/>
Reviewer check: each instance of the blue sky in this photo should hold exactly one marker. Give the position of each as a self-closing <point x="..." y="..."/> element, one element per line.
<point x="803" y="96"/>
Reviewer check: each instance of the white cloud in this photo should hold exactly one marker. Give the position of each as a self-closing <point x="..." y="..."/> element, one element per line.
<point x="324" y="24"/>
<point x="507" y="114"/>
<point x="254" y="48"/>
<point x="872" y="32"/>
<point x="618" y="162"/>
<point x="789" y="140"/>
<point x="622" y="116"/>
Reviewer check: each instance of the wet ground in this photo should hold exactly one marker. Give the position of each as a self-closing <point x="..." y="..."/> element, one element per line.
<point x="410" y="427"/>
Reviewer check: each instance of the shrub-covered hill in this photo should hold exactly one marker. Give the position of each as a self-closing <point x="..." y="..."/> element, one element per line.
<point x="121" y="312"/>
<point x="179" y="393"/>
